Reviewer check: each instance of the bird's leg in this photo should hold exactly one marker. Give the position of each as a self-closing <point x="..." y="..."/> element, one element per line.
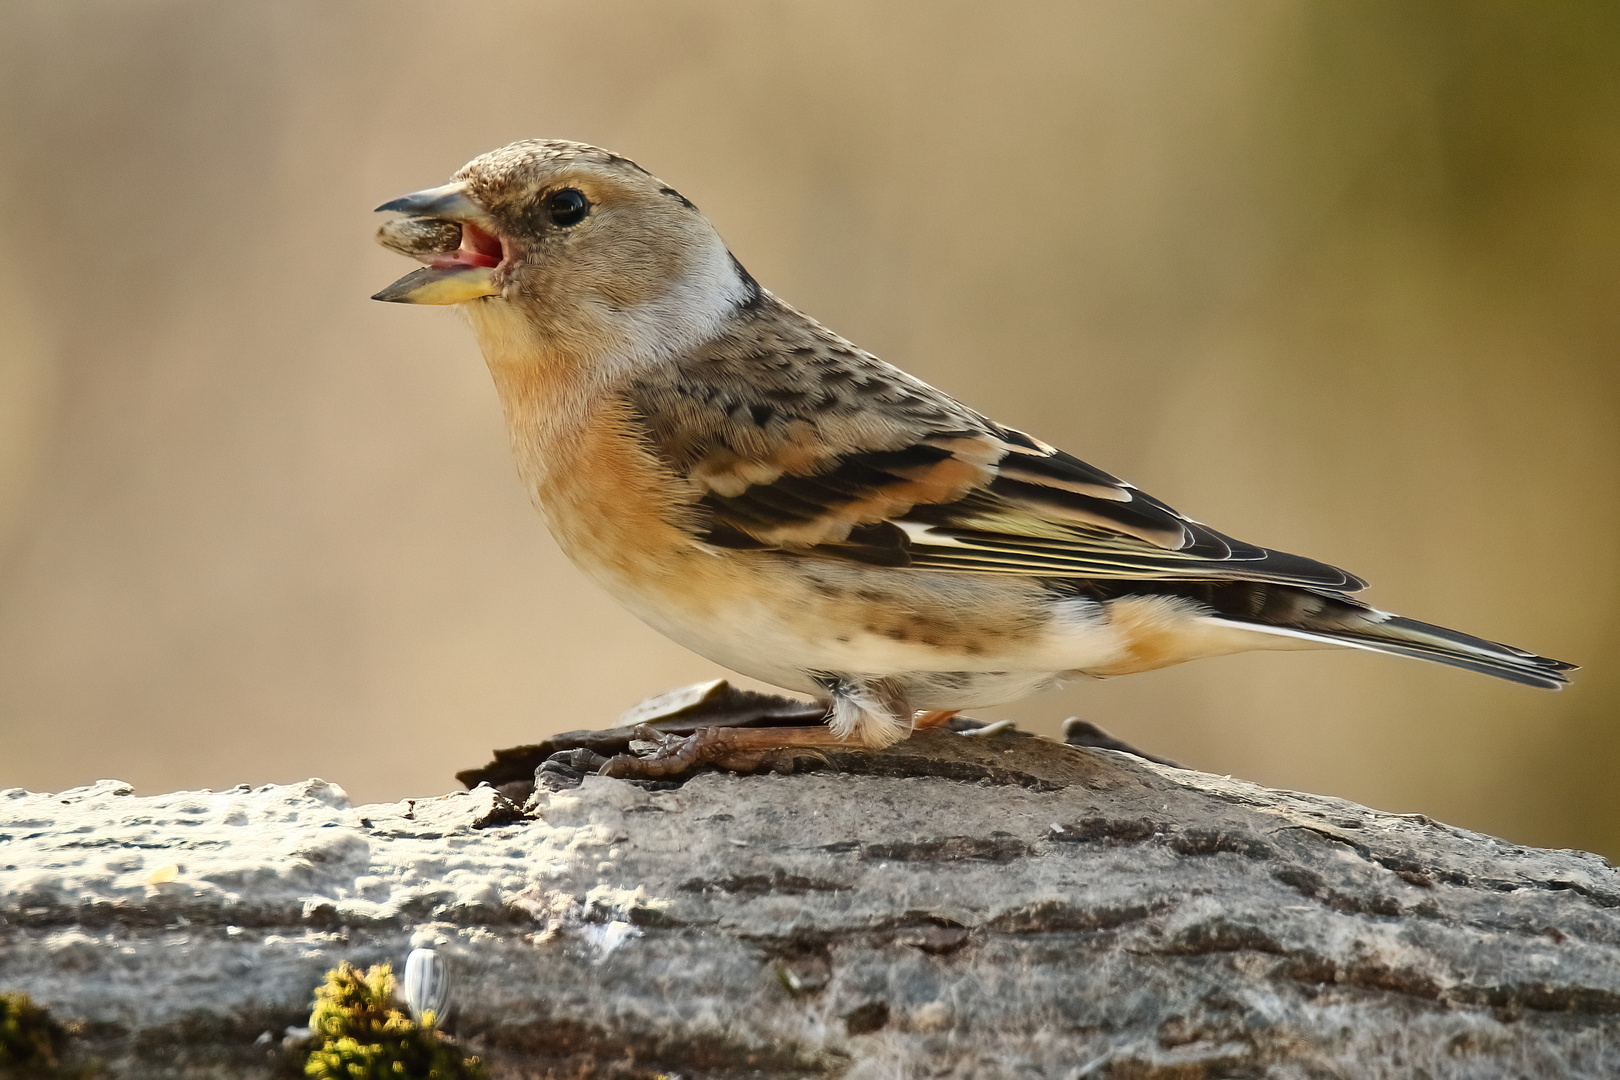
<point x="873" y="713"/>
<point x="867" y="713"/>
<point x="733" y="749"/>
<point x="933" y="718"/>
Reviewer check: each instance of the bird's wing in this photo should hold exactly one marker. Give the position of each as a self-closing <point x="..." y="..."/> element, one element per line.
<point x="819" y="449"/>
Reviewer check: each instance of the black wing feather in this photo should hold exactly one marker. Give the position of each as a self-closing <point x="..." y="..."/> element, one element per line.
<point x="1012" y="525"/>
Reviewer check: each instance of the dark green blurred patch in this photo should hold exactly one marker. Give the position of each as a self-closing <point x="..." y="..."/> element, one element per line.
<point x="33" y="1046"/>
<point x="30" y="1041"/>
<point x="1484" y="137"/>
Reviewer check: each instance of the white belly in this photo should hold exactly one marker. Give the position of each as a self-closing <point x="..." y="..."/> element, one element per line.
<point x="786" y="638"/>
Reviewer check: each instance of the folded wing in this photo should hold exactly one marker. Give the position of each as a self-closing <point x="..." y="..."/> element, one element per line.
<point x="992" y="502"/>
<point x="838" y="455"/>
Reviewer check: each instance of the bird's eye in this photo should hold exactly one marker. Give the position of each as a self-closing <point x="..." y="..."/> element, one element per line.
<point x="567" y="207"/>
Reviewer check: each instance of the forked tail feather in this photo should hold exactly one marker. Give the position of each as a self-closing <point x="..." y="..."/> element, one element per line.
<point x="1400" y="636"/>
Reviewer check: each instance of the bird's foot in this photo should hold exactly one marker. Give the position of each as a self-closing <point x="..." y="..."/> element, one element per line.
<point x="657" y="755"/>
<point x="933" y="718"/>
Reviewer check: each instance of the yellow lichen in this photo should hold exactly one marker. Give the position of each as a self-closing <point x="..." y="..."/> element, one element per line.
<point x="365" y="1034"/>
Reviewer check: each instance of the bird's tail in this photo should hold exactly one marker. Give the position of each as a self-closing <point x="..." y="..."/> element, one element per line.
<point x="1399" y="636"/>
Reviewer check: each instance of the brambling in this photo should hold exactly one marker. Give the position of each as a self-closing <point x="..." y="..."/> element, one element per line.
<point x="775" y="498"/>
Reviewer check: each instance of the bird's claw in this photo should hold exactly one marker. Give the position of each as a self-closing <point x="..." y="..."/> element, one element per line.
<point x="657" y="754"/>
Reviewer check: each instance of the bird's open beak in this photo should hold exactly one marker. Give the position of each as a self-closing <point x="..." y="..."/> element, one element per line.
<point x="453" y="274"/>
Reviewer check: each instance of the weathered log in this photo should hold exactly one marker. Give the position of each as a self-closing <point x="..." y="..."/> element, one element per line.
<point x="956" y="905"/>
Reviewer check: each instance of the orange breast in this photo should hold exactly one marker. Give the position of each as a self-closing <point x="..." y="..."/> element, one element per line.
<point x="612" y="506"/>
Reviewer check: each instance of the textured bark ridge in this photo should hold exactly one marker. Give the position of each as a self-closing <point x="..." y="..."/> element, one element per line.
<point x="958" y="905"/>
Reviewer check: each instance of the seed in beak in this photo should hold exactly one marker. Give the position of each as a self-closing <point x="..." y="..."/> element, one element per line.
<point x="420" y="238"/>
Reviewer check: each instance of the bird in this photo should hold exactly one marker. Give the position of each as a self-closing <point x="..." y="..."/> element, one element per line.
<point x="784" y="503"/>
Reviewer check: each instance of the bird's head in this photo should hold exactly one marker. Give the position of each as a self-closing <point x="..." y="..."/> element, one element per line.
<point x="578" y="248"/>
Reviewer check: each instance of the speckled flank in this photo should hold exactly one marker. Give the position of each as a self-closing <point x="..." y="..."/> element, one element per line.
<point x="964" y="617"/>
<point x="1157" y="631"/>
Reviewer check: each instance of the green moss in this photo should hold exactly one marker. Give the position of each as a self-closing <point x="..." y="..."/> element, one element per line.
<point x="30" y="1041"/>
<point x="365" y="1035"/>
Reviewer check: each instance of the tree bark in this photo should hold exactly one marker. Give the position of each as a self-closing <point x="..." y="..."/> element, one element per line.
<point x="957" y="905"/>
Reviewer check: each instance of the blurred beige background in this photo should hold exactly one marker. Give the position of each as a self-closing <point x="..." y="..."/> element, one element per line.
<point x="1341" y="279"/>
